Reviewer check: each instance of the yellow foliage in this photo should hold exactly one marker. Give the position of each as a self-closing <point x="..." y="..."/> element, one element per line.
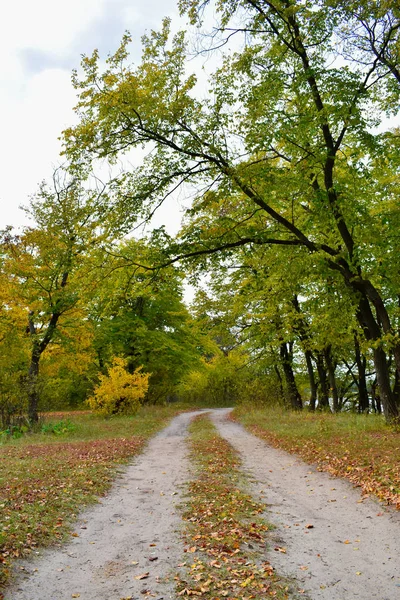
<point x="119" y="391"/>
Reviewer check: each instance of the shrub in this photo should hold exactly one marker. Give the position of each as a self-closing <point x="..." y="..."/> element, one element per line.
<point x="119" y="392"/>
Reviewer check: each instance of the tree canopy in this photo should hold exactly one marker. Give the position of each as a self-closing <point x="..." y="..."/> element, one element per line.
<point x="296" y="212"/>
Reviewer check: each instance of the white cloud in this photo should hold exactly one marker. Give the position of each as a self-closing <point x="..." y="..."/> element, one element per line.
<point x="40" y="42"/>
<point x="50" y="25"/>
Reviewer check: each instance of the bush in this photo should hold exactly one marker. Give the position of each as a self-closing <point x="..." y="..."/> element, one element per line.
<point x="119" y="392"/>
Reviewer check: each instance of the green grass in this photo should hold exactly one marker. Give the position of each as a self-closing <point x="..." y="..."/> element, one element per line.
<point x="359" y="447"/>
<point x="46" y="478"/>
<point x="225" y="531"/>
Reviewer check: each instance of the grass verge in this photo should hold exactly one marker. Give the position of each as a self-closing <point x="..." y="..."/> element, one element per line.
<point x="360" y="448"/>
<point x="46" y="479"/>
<point x="225" y="530"/>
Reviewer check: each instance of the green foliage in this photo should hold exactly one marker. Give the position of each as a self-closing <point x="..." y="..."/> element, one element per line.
<point x="283" y="147"/>
<point x="119" y="392"/>
<point x="58" y="428"/>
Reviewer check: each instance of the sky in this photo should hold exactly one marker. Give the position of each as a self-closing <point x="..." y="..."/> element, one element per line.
<point x="41" y="43"/>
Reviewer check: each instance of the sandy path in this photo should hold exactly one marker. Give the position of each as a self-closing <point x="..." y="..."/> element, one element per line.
<point x="136" y="521"/>
<point x="347" y="538"/>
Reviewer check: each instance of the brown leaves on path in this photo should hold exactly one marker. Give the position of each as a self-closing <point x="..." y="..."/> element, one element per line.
<point x="369" y="459"/>
<point x="44" y="485"/>
<point x="225" y="535"/>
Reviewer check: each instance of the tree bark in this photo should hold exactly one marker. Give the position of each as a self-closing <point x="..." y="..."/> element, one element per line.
<point x="376" y="400"/>
<point x="33" y="392"/>
<point x="311" y="379"/>
<point x="292" y="391"/>
<point x="38" y="347"/>
<point x="323" y="396"/>
<point x="279" y="377"/>
<point x="372" y="332"/>
<point x="363" y="399"/>
<point x="332" y="378"/>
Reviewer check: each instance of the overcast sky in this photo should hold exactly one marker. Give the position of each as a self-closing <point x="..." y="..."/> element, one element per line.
<point x="40" y="43"/>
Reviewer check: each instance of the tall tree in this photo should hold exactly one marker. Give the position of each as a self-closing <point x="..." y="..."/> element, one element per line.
<point x="46" y="268"/>
<point x="285" y="135"/>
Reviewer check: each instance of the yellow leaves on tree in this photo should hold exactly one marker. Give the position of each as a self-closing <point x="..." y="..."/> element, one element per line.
<point x="119" y="392"/>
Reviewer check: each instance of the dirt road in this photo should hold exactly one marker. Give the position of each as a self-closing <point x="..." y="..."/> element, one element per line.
<point x="351" y="551"/>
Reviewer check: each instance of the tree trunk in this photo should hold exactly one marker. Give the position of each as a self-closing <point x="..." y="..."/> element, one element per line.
<point x="332" y="378"/>
<point x="311" y="379"/>
<point x="38" y="347"/>
<point x="33" y="393"/>
<point x="372" y="332"/>
<point x="292" y="391"/>
<point x="323" y="396"/>
<point x="389" y="406"/>
<point x="376" y="400"/>
<point x="279" y="377"/>
<point x="396" y="388"/>
<point x="363" y="399"/>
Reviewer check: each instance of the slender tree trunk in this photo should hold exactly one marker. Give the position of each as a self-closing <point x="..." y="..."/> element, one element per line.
<point x="372" y="332"/>
<point x="33" y="392"/>
<point x="311" y="379"/>
<point x="396" y="388"/>
<point x="363" y="399"/>
<point x="376" y="400"/>
<point x="323" y="396"/>
<point x="332" y="378"/>
<point x="279" y="377"/>
<point x="292" y="391"/>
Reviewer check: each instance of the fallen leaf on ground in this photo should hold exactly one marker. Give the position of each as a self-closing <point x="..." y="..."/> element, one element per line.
<point x="142" y="576"/>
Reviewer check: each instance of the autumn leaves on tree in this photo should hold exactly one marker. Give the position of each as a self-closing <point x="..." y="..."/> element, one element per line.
<point x="296" y="211"/>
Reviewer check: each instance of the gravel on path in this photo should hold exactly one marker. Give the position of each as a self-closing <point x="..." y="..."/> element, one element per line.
<point x="133" y="531"/>
<point x="338" y="546"/>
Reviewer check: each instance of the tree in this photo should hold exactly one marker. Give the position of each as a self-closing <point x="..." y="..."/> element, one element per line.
<point x="283" y="143"/>
<point x="45" y="268"/>
<point x="140" y="315"/>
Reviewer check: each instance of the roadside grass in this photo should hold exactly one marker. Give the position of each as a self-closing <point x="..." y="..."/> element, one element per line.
<point x="225" y="531"/>
<point x="46" y="478"/>
<point x="360" y="448"/>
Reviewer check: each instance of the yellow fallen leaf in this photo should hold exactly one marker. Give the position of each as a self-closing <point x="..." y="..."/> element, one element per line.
<point x="76" y="596"/>
<point x="142" y="576"/>
<point x="358" y="573"/>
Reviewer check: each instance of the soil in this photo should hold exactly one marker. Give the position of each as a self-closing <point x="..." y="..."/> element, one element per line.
<point x="332" y="543"/>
